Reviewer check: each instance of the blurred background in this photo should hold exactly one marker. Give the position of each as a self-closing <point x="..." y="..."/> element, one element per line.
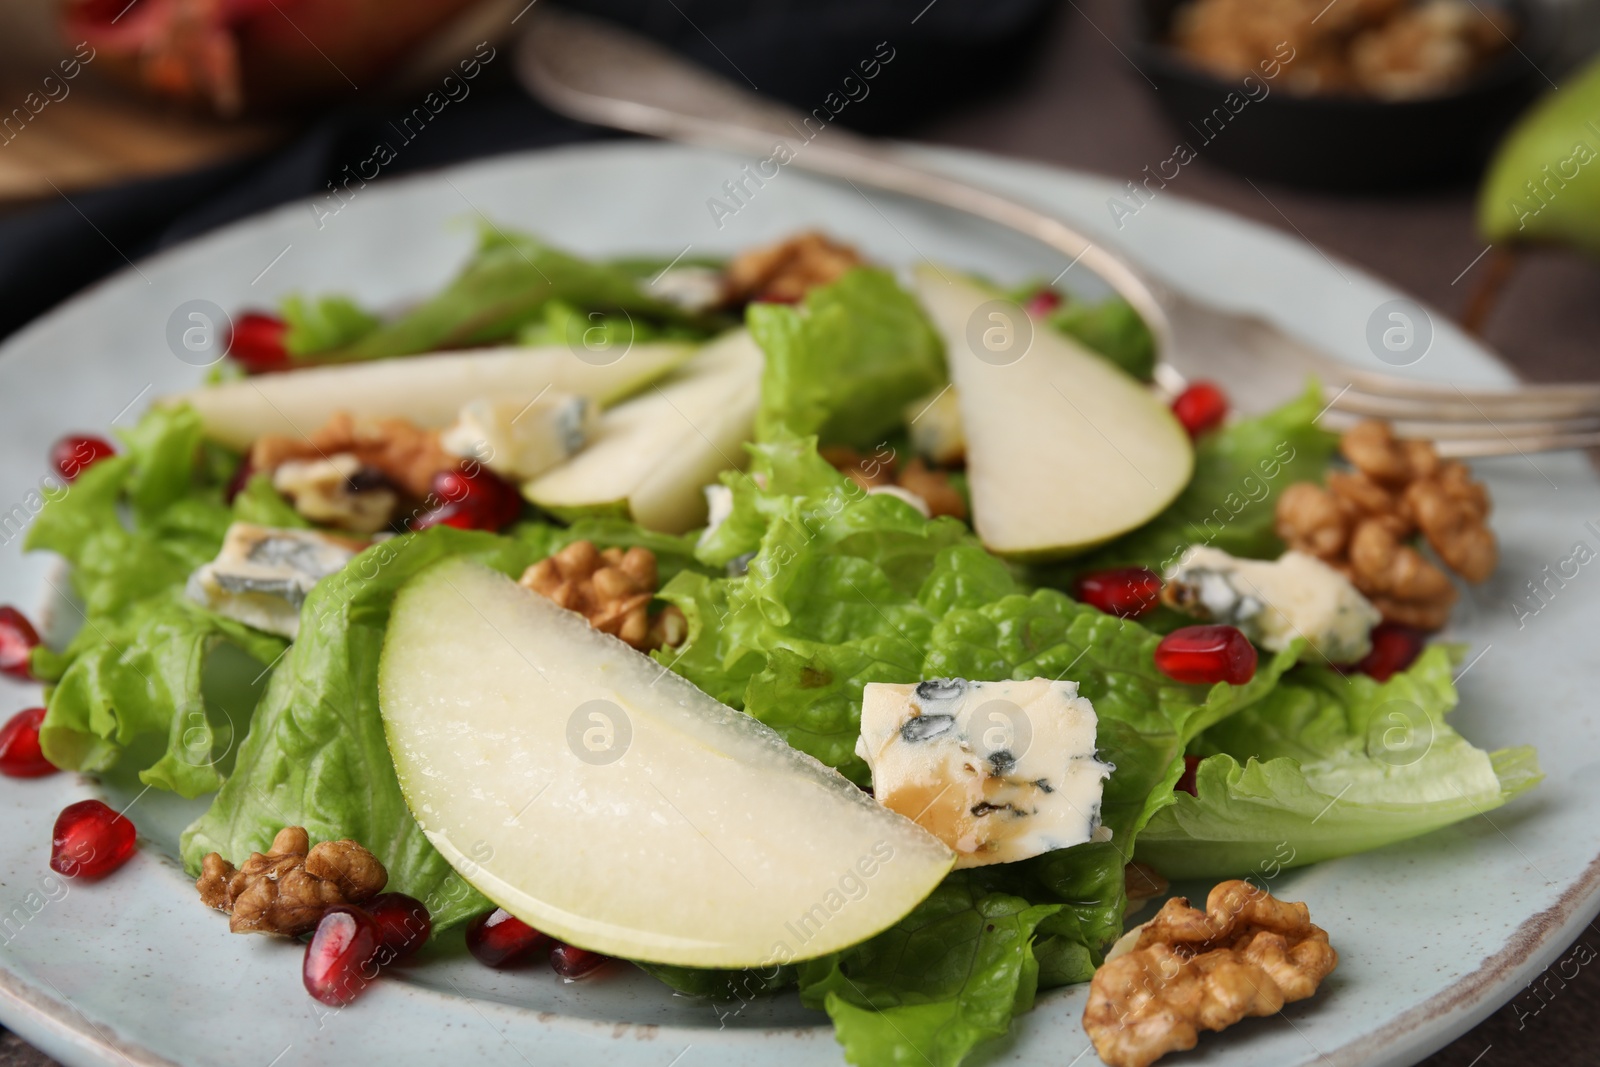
<point x="1445" y="145"/>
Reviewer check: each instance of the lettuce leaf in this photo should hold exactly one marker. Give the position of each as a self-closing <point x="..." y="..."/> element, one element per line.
<point x="1327" y="766"/>
<point x="320" y="324"/>
<point x="947" y="977"/>
<point x="1229" y="503"/>
<point x="130" y="689"/>
<point x="1111" y="328"/>
<point x="504" y="287"/>
<point x="845" y="364"/>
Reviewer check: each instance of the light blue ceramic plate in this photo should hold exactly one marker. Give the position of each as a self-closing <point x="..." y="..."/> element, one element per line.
<point x="1432" y="934"/>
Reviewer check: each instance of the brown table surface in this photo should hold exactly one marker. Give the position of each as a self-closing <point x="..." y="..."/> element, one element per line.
<point x="1084" y="106"/>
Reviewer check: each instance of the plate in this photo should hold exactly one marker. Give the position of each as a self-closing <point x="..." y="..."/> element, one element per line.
<point x="1433" y="934"/>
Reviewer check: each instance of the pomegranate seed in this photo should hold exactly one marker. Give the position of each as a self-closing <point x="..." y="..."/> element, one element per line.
<point x="500" y="939"/>
<point x="479" y="500"/>
<point x="1042" y="302"/>
<point x="403" y="924"/>
<point x="1185" y="784"/>
<point x="90" y="840"/>
<point x="1126" y="592"/>
<point x="572" y="963"/>
<point x="1203" y="655"/>
<point x="1394" y="648"/>
<point x="341" y="958"/>
<point x="256" y="343"/>
<point x="74" y="454"/>
<point x="240" y="479"/>
<point x="20" y="754"/>
<point x="18" y="639"/>
<point x="1201" y="408"/>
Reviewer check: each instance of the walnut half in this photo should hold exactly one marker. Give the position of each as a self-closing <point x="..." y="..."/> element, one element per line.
<point x="1247" y="954"/>
<point x="612" y="589"/>
<point x="286" y="890"/>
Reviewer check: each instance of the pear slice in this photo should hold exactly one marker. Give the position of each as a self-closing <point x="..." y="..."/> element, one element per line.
<point x="427" y="390"/>
<point x="604" y="800"/>
<point x="1064" y="450"/>
<point x="652" y="456"/>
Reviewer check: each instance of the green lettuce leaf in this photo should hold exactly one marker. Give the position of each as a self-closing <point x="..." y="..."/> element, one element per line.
<point x="1111" y="328"/>
<point x="944" y="979"/>
<point x="1229" y="503"/>
<point x="321" y="324"/>
<point x="505" y="286"/>
<point x="846" y="363"/>
<point x="1327" y="766"/>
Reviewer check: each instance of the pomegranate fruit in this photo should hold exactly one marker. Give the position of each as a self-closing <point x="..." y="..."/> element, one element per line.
<point x="1205" y="655"/>
<point x="1185" y="783"/>
<point x="1126" y="592"/>
<point x="1201" y="408"/>
<point x="475" y="500"/>
<point x="403" y="924"/>
<point x="256" y="343"/>
<point x="1042" y="302"/>
<point x="341" y="958"/>
<point x="18" y="639"/>
<point x="76" y="453"/>
<point x="90" y="840"/>
<point x="1394" y="648"/>
<point x="500" y="939"/>
<point x="20" y="754"/>
<point x="572" y="963"/>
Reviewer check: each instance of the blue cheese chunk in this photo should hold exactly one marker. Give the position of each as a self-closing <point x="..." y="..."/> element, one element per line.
<point x="1275" y="601"/>
<point x="521" y="440"/>
<point x="263" y="575"/>
<point x="999" y="771"/>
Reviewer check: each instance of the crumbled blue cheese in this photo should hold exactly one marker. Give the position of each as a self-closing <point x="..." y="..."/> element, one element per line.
<point x="999" y="771"/>
<point x="521" y="440"/>
<point x="263" y="575"/>
<point x="694" y="289"/>
<point x="1275" y="601"/>
<point x="719" y="506"/>
<point x="337" y="491"/>
<point x="934" y="424"/>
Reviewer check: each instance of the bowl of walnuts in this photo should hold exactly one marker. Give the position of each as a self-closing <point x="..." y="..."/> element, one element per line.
<point x="1351" y="95"/>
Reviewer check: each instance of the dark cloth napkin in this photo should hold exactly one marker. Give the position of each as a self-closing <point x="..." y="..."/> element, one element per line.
<point x="945" y="52"/>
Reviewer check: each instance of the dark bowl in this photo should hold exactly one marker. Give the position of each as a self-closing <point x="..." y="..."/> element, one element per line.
<point x="1345" y="143"/>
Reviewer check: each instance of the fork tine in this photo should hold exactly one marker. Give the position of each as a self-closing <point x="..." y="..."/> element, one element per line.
<point x="1470" y="429"/>
<point x="1568" y="403"/>
<point x="1462" y="448"/>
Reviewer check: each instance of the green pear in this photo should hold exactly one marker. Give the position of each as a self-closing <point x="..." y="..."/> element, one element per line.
<point x="1543" y="184"/>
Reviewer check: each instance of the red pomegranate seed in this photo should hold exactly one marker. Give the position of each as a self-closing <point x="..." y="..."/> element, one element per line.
<point x="572" y="963"/>
<point x="500" y="939"/>
<point x="341" y="958"/>
<point x="1042" y="302"/>
<point x="18" y="639"/>
<point x="1185" y="784"/>
<point x="1201" y="408"/>
<point x="90" y="840"/>
<point x="76" y="453"/>
<point x="1126" y="592"/>
<point x="1394" y="648"/>
<point x="256" y="343"/>
<point x="1204" y="655"/>
<point x="479" y="500"/>
<point x="403" y="924"/>
<point x="240" y="479"/>
<point x="20" y="754"/>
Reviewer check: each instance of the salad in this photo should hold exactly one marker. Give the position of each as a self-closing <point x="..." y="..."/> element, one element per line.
<point x="779" y="626"/>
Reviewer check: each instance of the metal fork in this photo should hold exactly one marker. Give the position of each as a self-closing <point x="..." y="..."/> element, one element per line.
<point x="595" y="72"/>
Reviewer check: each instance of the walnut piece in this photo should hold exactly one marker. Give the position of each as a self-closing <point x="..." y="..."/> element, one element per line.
<point x="287" y="890"/>
<point x="1364" y="519"/>
<point x="1247" y="954"/>
<point x="407" y="455"/>
<point x="783" y="272"/>
<point x="877" y="471"/>
<point x="612" y="589"/>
